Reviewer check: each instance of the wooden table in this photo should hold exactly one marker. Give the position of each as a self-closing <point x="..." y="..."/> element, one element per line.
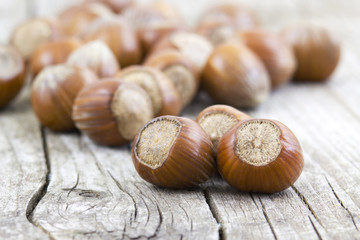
<point x="63" y="186"/>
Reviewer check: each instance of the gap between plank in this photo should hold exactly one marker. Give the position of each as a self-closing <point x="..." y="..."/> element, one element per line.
<point x="267" y="217"/>
<point x="36" y="198"/>
<point x="214" y="213"/>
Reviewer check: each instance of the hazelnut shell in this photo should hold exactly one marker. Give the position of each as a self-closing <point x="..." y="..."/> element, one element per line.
<point x="94" y="111"/>
<point x="164" y="96"/>
<point x="53" y="93"/>
<point x="234" y="75"/>
<point x="272" y="176"/>
<point x="53" y="53"/>
<point x="12" y="74"/>
<point x="189" y="159"/>
<point x="179" y="69"/>
<point x="316" y="49"/>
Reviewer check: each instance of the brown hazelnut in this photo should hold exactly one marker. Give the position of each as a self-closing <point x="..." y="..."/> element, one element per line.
<point x="12" y="74"/>
<point x="152" y="22"/>
<point x="53" y="93"/>
<point x="119" y="37"/>
<point x="75" y="19"/>
<point x="173" y="152"/>
<point x="163" y="94"/>
<point x="29" y="35"/>
<point x="277" y="56"/>
<point x="178" y="68"/>
<point x="216" y="120"/>
<point x="260" y="155"/>
<point x="52" y="53"/>
<point x="193" y="46"/>
<point x="317" y="51"/>
<point x="97" y="56"/>
<point x="234" y="75"/>
<point x="116" y="5"/>
<point x="221" y="21"/>
<point x="111" y="112"/>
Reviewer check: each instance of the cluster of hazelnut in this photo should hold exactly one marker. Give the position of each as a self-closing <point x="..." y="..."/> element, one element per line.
<point x="107" y="67"/>
<point x="254" y="155"/>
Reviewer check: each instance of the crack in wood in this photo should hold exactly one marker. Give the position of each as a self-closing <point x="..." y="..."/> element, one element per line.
<point x="315" y="229"/>
<point x="303" y="199"/>
<point x="214" y="213"/>
<point x="342" y="204"/>
<point x="263" y="209"/>
<point x="36" y="198"/>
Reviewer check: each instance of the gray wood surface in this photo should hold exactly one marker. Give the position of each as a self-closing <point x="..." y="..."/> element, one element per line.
<point x="63" y="186"/>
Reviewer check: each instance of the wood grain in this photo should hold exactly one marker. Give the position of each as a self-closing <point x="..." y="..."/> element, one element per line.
<point x="93" y="192"/>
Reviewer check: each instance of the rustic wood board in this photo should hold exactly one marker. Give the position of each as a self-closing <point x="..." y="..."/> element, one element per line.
<point x="63" y="186"/>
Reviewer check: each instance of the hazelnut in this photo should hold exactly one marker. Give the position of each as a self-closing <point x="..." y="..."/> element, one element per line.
<point x="221" y="21"/>
<point x="152" y="22"/>
<point x="193" y="46"/>
<point x="234" y="75"/>
<point x="317" y="51"/>
<point x="260" y="155"/>
<point x="178" y="68"/>
<point x="163" y="94"/>
<point x="76" y="18"/>
<point x="29" y="35"/>
<point x="53" y="93"/>
<point x="52" y="53"/>
<point x="116" y="5"/>
<point x="173" y="152"/>
<point x="97" y="56"/>
<point x="111" y="112"/>
<point x="216" y="120"/>
<point x="119" y="37"/>
<point x="12" y="74"/>
<point x="277" y="56"/>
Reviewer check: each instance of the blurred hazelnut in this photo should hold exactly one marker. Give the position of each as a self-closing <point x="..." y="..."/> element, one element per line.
<point x="163" y="94"/>
<point x="97" y="56"/>
<point x="119" y="37"/>
<point x="53" y="93"/>
<point x="52" y="53"/>
<point x="193" y="46"/>
<point x="152" y="22"/>
<point x="317" y="51"/>
<point x="12" y="74"/>
<point x="277" y="56"/>
<point x="111" y="112"/>
<point x="221" y="21"/>
<point x="75" y="19"/>
<point x="234" y="75"/>
<point x="29" y="35"/>
<point x="178" y="68"/>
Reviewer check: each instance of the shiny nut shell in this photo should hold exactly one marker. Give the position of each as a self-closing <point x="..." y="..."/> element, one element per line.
<point x="53" y="93"/>
<point x="234" y="75"/>
<point x="97" y="56"/>
<point x="52" y="53"/>
<point x="111" y="112"/>
<point x="119" y="37"/>
<point x="277" y="56"/>
<point x="12" y="74"/>
<point x="186" y="160"/>
<point x="179" y="69"/>
<point x="162" y="91"/>
<point x="267" y="140"/>
<point x="317" y="51"/>
<point x="35" y="31"/>
<point x="216" y="120"/>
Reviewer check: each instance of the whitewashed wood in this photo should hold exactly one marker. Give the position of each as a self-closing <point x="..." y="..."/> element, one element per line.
<point x="94" y="192"/>
<point x="22" y="171"/>
<point x="92" y="195"/>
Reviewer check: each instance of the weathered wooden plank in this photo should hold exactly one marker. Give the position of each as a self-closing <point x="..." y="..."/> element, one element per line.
<point x="23" y="171"/>
<point x="95" y="192"/>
